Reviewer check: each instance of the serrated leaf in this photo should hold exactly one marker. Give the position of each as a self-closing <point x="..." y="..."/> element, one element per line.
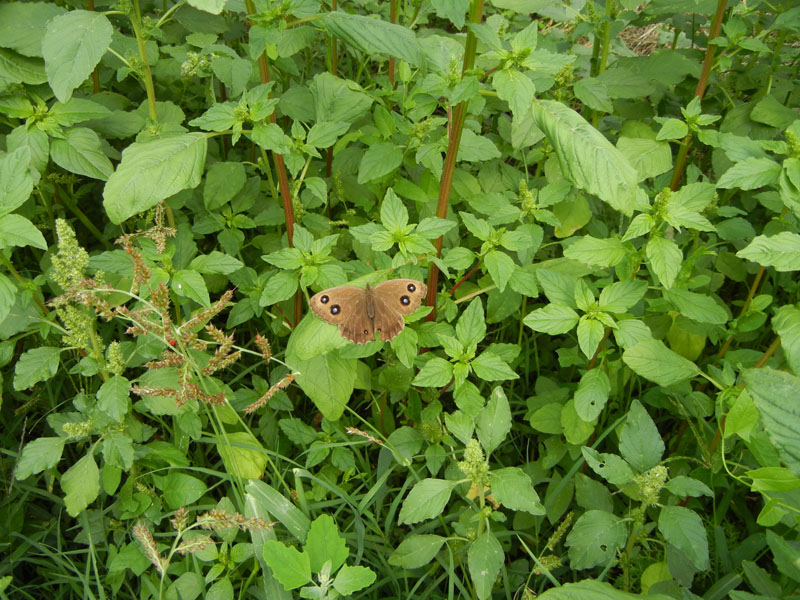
<point x="775" y="396"/>
<point x="683" y="528"/>
<point x="485" y="559"/>
<point x="426" y="500"/>
<point x="191" y="284"/>
<point x="554" y="319"/>
<point x="698" y="307"/>
<point x="81" y="485"/>
<point x="289" y="566"/>
<point x="35" y="365"/>
<point x="152" y="171"/>
<point x="654" y="361"/>
<point x="592" y="394"/>
<point x="665" y="260"/>
<point x="595" y="538"/>
<point x="609" y="466"/>
<point x="378" y="161"/>
<point x="604" y="252"/>
<point x="620" y="296"/>
<point x="351" y="579"/>
<point x="586" y="157"/>
<point x="490" y="367"/>
<point x="750" y="174"/>
<point x="494" y="421"/>
<point x="513" y="488"/>
<point x="38" y="455"/>
<point x="781" y="251"/>
<point x="500" y="266"/>
<point x="16" y="230"/>
<point x="215" y="262"/>
<point x="639" y="441"/>
<point x="80" y="152"/>
<point x="590" y="332"/>
<point x="324" y="543"/>
<point x="16" y="183"/>
<point x="416" y="551"/>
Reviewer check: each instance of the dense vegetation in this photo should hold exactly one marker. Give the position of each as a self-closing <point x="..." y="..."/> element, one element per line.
<point x="597" y="399"/>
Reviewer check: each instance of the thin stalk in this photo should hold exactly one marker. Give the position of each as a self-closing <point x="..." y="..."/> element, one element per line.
<point x="393" y="19"/>
<point x="456" y="127"/>
<point x="136" y="21"/>
<point x="680" y="162"/>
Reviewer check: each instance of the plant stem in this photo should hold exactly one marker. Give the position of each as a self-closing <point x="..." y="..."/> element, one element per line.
<point x="456" y="127"/>
<point x="136" y="21"/>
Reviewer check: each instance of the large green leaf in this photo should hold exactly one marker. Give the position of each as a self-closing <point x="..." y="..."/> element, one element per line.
<point x="22" y="25"/>
<point x="654" y="361"/>
<point x="375" y="36"/>
<point x="781" y="251"/>
<point x="16" y="183"/>
<point x="426" y="500"/>
<point x="416" y="551"/>
<point x="327" y="379"/>
<point x="595" y="538"/>
<point x="152" y="171"/>
<point x="639" y="441"/>
<point x="485" y="559"/>
<point x="683" y="528"/>
<point x="592" y="589"/>
<point x="37" y="364"/>
<point x="80" y="151"/>
<point x="775" y="394"/>
<point x="16" y="230"/>
<point x="586" y="157"/>
<point x="73" y="44"/>
<point x="81" y="484"/>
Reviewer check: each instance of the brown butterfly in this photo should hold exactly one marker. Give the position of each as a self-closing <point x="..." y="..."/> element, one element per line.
<point x="359" y="313"/>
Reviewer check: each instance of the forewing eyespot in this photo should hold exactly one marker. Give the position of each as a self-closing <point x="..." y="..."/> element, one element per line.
<point x="405" y="300"/>
<point x="411" y="287"/>
<point x="335" y="310"/>
<point x="324" y="299"/>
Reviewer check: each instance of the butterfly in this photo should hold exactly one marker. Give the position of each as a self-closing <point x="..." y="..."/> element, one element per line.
<point x="360" y="312"/>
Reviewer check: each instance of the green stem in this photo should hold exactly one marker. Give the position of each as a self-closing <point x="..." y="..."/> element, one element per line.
<point x="86" y="221"/>
<point x="136" y="21"/>
<point x="23" y="282"/>
<point x="456" y="128"/>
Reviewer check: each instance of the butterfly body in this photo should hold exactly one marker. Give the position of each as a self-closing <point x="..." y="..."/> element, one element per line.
<point x="360" y="312"/>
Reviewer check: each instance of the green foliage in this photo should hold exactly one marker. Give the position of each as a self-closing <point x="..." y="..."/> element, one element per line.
<point x="598" y="398"/>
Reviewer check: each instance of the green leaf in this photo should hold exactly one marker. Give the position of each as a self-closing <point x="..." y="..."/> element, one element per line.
<point x="80" y="152"/>
<point x="223" y="181"/>
<point x="698" y="307"/>
<point x="586" y="157"/>
<point x="609" y="466"/>
<point x="516" y="88"/>
<point x="152" y="171"/>
<point x="594" y="539"/>
<point x="683" y="486"/>
<point x="375" y="36"/>
<point x="290" y="566"/>
<point x="593" y="93"/>
<point x="113" y="397"/>
<point x="453" y="10"/>
<point x="394" y="214"/>
<point x="16" y="230"/>
<point x="81" y="485"/>
<point x="434" y="227"/>
<point x="324" y="543"/>
<point x="665" y="260"/>
<point x="426" y="500"/>
<point x="785" y="554"/>
<point x="215" y="263"/>
<point x="476" y="148"/>
<point x="72" y="46"/>
<point x="750" y="174"/>
<point x="620" y="296"/>
<point x="654" y="361"/>
<point x="180" y="489"/>
<point x="672" y="129"/>
<point x="16" y="183"/>
<point x="191" y="284"/>
<point x="485" y="559"/>
<point x="37" y="364"/>
<point x="589" y="250"/>
<point x="77" y="110"/>
<point x="590" y="332"/>
<point x="277" y="505"/>
<point x="592" y="394"/>
<point x="8" y="296"/>
<point x="351" y="579"/>
<point x="554" y="319"/>
<point x="22" y="25"/>
<point x="271" y="137"/>
<point x="437" y="372"/>
<point x="416" y="551"/>
<point x="471" y="325"/>
<point x="649" y="157"/>
<point x="378" y="161"/>
<point x="684" y="529"/>
<point x="786" y="324"/>
<point x="494" y="421"/>
<point x="513" y="488"/>
<point x="591" y="589"/>
<point x="220" y="117"/>
<point x="500" y="266"/>
<point x="490" y="367"/>
<point x="324" y="135"/>
<point x="781" y="251"/>
<point x="38" y="455"/>
<point x="281" y="286"/>
<point x="775" y="396"/>
<point x="328" y="380"/>
<point x="558" y="287"/>
<point x="639" y="441"/>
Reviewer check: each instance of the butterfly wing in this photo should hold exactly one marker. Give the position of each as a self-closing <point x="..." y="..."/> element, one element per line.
<point x="392" y="300"/>
<point x="346" y="307"/>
